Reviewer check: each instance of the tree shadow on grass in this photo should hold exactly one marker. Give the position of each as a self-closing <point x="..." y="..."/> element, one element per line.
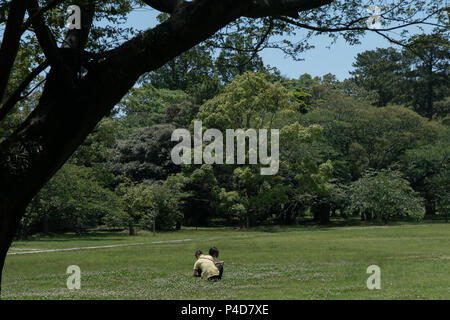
<point x="69" y="237"/>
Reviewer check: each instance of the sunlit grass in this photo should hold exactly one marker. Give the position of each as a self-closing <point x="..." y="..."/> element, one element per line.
<point x="265" y="263"/>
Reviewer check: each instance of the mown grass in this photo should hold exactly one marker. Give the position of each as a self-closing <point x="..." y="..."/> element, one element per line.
<point x="264" y="263"/>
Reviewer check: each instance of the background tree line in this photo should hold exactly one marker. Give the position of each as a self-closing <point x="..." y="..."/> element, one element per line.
<point x="374" y="146"/>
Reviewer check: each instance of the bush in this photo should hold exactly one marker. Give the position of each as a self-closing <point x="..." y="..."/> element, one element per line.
<point x="385" y="195"/>
<point x="73" y="200"/>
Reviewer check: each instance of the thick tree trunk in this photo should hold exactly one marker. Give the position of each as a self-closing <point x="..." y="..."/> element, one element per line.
<point x="316" y="213"/>
<point x="430" y="208"/>
<point x="8" y="226"/>
<point x="45" y="225"/>
<point x="10" y="42"/>
<point x="429" y="99"/>
<point x="242" y="223"/>
<point x="321" y="213"/>
<point x="324" y="213"/>
<point x="131" y="230"/>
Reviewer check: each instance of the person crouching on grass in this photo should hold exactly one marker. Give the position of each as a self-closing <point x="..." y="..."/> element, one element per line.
<point x="214" y="253"/>
<point x="205" y="267"/>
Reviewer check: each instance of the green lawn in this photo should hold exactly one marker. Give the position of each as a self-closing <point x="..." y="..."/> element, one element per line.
<point x="273" y="263"/>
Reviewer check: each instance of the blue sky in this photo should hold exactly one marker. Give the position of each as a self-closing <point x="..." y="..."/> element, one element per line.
<point x="318" y="61"/>
<point x="321" y="60"/>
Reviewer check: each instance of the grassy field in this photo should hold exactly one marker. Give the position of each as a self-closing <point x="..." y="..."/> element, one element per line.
<point x="272" y="263"/>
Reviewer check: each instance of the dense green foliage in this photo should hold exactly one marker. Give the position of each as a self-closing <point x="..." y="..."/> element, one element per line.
<point x="73" y="200"/>
<point x="385" y="195"/>
<point x="375" y="146"/>
<point x="416" y="77"/>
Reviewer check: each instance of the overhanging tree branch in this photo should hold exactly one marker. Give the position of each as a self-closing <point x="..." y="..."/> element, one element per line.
<point x="166" y="6"/>
<point x="403" y="45"/>
<point x="264" y="8"/>
<point x="10" y="43"/>
<point x="40" y="12"/>
<point x="260" y="43"/>
<point x="48" y="45"/>
<point x="349" y="27"/>
<point x="256" y="8"/>
<point x="16" y="96"/>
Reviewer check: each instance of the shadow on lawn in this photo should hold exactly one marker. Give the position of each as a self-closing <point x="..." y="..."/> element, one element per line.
<point x="89" y="236"/>
<point x="310" y="224"/>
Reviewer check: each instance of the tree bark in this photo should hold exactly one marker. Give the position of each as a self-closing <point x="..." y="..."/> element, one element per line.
<point x="131" y="229"/>
<point x="429" y="102"/>
<point x="324" y="213"/>
<point x="10" y="42"/>
<point x="8" y="226"/>
<point x="430" y="208"/>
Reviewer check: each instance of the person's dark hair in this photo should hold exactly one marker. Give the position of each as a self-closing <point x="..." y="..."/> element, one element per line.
<point x="197" y="253"/>
<point x="214" y="252"/>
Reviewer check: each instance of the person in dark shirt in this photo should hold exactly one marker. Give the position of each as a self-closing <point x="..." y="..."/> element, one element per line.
<point x="214" y="252"/>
